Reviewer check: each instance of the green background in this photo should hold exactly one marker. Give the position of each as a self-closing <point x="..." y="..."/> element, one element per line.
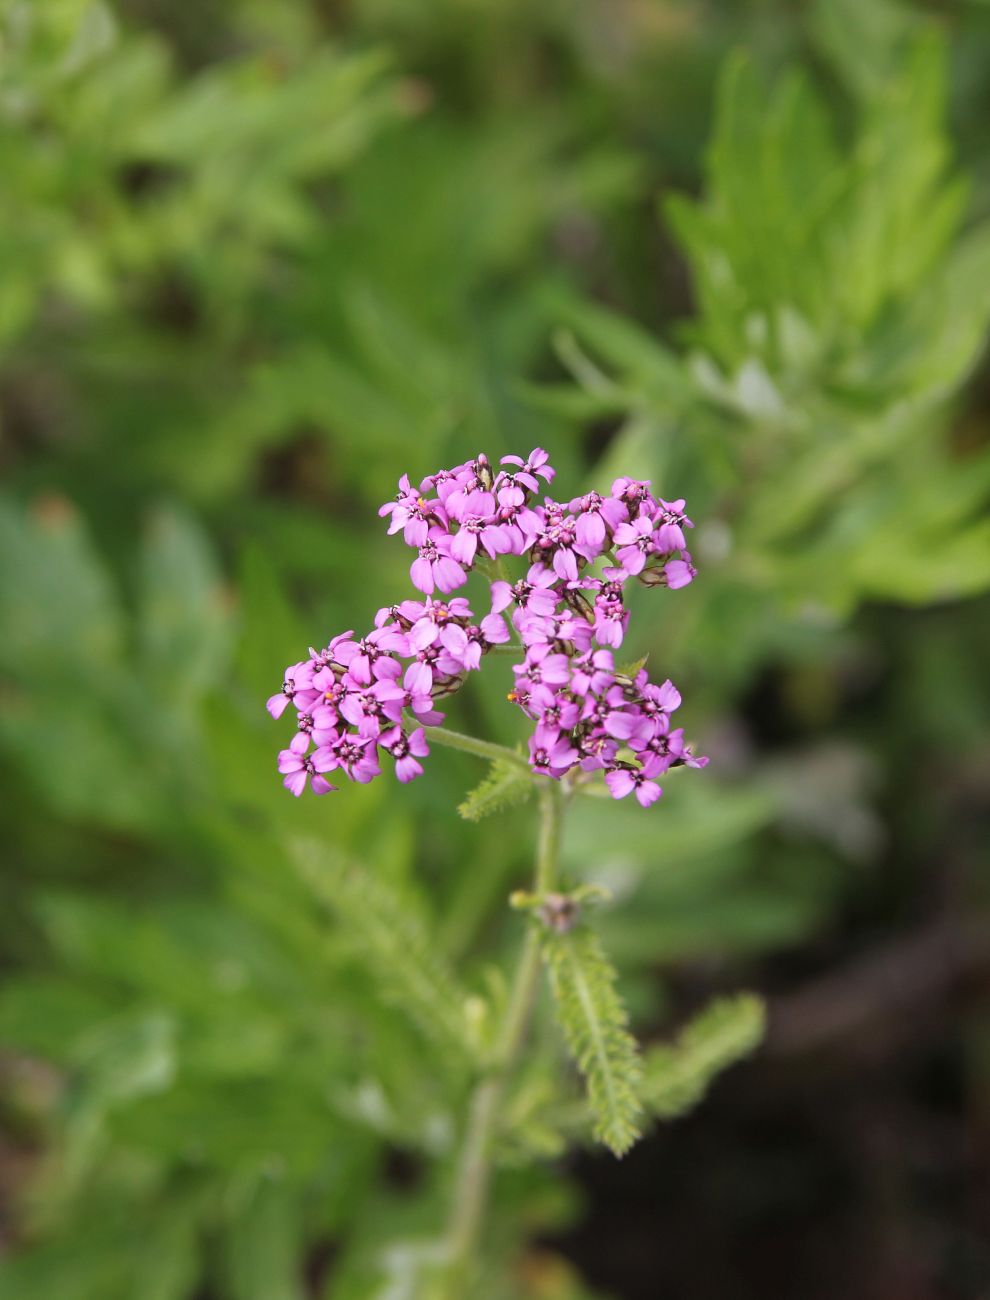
<point x="258" y="260"/>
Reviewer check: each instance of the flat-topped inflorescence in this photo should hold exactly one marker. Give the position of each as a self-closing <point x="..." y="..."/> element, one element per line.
<point x="568" y="615"/>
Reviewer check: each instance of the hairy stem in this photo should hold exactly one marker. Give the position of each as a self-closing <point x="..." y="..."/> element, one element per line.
<point x="471" y="745"/>
<point x="474" y="1172"/>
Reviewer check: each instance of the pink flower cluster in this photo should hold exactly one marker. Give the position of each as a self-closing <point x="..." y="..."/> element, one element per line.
<point x="568" y="614"/>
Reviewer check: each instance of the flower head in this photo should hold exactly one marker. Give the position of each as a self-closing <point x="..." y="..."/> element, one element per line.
<point x="364" y="696"/>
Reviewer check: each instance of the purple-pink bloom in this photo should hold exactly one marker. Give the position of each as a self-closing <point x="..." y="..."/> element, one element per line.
<point x="561" y="713"/>
<point x="597" y="517"/>
<point x="634" y="493"/>
<point x="634" y="542"/>
<point x="297" y="688"/>
<point x="412" y="513"/>
<point x="671" y="522"/>
<point x="551" y="753"/>
<point x="593" y="672"/>
<point x="394" y="698"/>
<point x="537" y="464"/>
<point x="367" y="660"/>
<point x="356" y="755"/>
<point x="536" y="593"/>
<point x="300" y="768"/>
<point x="629" y="724"/>
<point x="655" y="700"/>
<point x="352" y="699"/>
<point x="597" y="751"/>
<point x="556" y="543"/>
<point x="678" y="573"/>
<point x="621" y="781"/>
<point x="544" y="667"/>
<point x="610" y="614"/>
<point x="435" y="569"/>
<point x="406" y="750"/>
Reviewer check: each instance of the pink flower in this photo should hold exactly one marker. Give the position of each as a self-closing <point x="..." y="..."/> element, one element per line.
<point x="679" y="573"/>
<point x="634" y="542"/>
<point x="552" y="757"/>
<point x="352" y="699"/>
<point x="597" y="517"/>
<point x="537" y="465"/>
<point x="406" y="750"/>
<point x="623" y="780"/>
<point x="634" y="493"/>
<point x="412" y="513"/>
<point x="297" y="688"/>
<point x="300" y="768"/>
<point x="671" y="521"/>
<point x="537" y="592"/>
<point x="436" y="569"/>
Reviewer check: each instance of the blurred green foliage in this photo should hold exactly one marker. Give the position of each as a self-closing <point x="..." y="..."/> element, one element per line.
<point x="257" y="261"/>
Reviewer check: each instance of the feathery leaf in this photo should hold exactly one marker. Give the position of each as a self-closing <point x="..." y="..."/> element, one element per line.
<point x="677" y="1076"/>
<point x="505" y="786"/>
<point x="594" y="1021"/>
<point x="395" y="945"/>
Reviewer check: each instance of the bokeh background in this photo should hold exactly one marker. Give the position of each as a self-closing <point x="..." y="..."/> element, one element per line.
<point x="257" y="260"/>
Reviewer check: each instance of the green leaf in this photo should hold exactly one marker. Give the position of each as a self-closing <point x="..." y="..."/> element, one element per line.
<point x="264" y="1246"/>
<point x="676" y="1077"/>
<point x="641" y="356"/>
<point x="46" y="1014"/>
<point x="55" y="595"/>
<point x="633" y="667"/>
<point x="594" y="1021"/>
<point x="183" y="619"/>
<point x="272" y="634"/>
<point x="862" y="42"/>
<point x="132" y="1056"/>
<point x="793" y="228"/>
<point x="698" y="819"/>
<point x="394" y="943"/>
<point x="114" y="1249"/>
<point x="505" y="786"/>
<point x="949" y="570"/>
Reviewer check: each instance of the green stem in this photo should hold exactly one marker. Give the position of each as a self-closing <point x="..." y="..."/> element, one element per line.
<point x="471" y="745"/>
<point x="474" y="1172"/>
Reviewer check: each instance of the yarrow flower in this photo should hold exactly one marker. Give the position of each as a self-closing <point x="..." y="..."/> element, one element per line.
<point x="358" y="701"/>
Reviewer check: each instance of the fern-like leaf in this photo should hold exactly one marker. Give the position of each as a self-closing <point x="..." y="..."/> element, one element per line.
<point x="677" y="1076"/>
<point x="594" y="1022"/>
<point x="505" y="786"/>
<point x="394" y="943"/>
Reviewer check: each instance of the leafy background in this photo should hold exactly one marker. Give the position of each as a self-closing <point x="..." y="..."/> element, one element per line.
<point x="256" y="262"/>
